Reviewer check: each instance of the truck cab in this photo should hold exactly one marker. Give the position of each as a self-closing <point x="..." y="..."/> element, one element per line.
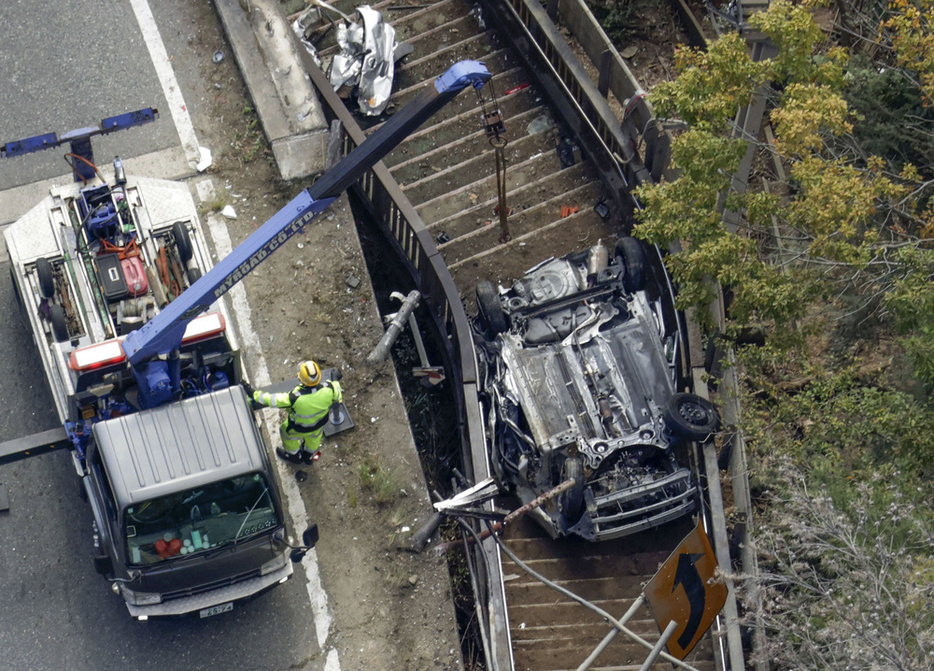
<point x="186" y="506"/>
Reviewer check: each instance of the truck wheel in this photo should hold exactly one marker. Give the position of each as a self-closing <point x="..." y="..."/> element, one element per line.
<point x="46" y="279"/>
<point x="632" y="253"/>
<point x="194" y="274"/>
<point x="182" y="241"/>
<point x="59" y="323"/>
<point x="572" y="500"/>
<point x="692" y="417"/>
<point x="490" y="310"/>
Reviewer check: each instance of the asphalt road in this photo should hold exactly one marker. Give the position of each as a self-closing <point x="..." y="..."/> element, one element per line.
<point x="66" y="68"/>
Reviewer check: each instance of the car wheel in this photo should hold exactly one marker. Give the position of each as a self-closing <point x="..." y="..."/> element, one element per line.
<point x="572" y="500"/>
<point x="59" y="324"/>
<point x="692" y="417"/>
<point x="632" y="253"/>
<point x="490" y="310"/>
<point x="182" y="241"/>
<point x="46" y="279"/>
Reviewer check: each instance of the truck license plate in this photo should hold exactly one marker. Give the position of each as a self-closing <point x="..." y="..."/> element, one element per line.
<point x="214" y="610"/>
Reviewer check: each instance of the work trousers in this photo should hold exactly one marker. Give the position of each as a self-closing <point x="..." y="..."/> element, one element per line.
<point x="293" y="441"/>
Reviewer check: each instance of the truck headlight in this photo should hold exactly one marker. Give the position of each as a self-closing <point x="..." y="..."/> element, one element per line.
<point x="274" y="564"/>
<point x="140" y="598"/>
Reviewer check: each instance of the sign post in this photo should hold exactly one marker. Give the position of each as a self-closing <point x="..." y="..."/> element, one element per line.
<point x="685" y="590"/>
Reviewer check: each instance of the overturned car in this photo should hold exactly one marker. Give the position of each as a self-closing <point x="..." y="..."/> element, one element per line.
<point x="580" y="379"/>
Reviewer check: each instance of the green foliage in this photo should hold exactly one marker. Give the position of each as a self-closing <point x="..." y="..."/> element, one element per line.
<point x="796" y="36"/>
<point x="841" y="456"/>
<point x="912" y="32"/>
<point x="842" y="426"/>
<point x="711" y="84"/>
<point x="893" y="120"/>
<point x="807" y="112"/>
<point x="911" y="300"/>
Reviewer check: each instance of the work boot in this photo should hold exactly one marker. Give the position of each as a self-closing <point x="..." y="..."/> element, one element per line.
<point x="285" y="456"/>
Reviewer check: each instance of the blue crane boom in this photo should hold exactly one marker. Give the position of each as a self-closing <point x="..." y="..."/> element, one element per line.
<point x="164" y="332"/>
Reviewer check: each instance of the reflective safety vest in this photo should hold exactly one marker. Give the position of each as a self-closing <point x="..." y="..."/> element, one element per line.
<point x="308" y="406"/>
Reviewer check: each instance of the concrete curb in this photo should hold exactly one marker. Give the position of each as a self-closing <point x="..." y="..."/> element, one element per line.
<point x="284" y="98"/>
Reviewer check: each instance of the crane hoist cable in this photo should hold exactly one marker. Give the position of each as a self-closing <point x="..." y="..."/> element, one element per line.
<point x="495" y="130"/>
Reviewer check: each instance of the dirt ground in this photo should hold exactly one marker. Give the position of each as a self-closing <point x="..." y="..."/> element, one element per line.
<point x="392" y="608"/>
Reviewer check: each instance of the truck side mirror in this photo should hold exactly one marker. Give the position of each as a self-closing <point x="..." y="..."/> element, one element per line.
<point x="103" y="564"/>
<point x="309" y="539"/>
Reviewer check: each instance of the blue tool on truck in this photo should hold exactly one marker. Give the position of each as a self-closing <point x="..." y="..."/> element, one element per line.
<point x="115" y="279"/>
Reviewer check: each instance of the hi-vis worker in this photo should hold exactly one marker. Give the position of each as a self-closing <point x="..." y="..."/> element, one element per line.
<point x="308" y="406"/>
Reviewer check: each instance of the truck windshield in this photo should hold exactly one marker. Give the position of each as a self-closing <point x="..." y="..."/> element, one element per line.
<point x="198" y="519"/>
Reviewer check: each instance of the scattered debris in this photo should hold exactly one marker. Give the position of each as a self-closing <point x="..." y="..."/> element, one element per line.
<point x="206" y="159"/>
<point x="218" y="56"/>
<point x="229" y="212"/>
<point x="366" y="60"/>
<point x="568" y="210"/>
<point x="540" y="124"/>
<point x="516" y="89"/>
<point x="565" y="151"/>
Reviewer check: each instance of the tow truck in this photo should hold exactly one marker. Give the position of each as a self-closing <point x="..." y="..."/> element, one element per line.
<point x="116" y="281"/>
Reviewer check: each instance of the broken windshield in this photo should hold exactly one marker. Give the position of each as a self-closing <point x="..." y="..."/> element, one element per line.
<point x="198" y="519"/>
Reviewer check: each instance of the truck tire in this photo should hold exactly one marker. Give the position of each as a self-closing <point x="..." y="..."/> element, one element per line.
<point x="691" y="417"/>
<point x="572" y="500"/>
<point x="632" y="253"/>
<point x="194" y="274"/>
<point x="59" y="323"/>
<point x="182" y="241"/>
<point x="490" y="310"/>
<point x="46" y="278"/>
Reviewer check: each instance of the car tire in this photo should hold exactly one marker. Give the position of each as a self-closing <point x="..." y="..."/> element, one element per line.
<point x="46" y="278"/>
<point x="572" y="500"/>
<point x="59" y="323"/>
<point x="182" y="241"/>
<point x="632" y="253"/>
<point x="490" y="310"/>
<point x="691" y="417"/>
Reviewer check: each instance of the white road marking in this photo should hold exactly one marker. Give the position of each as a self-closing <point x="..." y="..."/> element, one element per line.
<point x="252" y="349"/>
<point x="170" y="88"/>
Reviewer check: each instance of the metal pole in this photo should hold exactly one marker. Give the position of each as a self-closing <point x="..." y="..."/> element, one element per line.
<point x="656" y="651"/>
<point x="441" y="548"/>
<point x="499" y="144"/>
<point x="395" y="328"/>
<point x="612" y="634"/>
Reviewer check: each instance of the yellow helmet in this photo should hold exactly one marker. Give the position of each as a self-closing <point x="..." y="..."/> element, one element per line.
<point x="309" y="374"/>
